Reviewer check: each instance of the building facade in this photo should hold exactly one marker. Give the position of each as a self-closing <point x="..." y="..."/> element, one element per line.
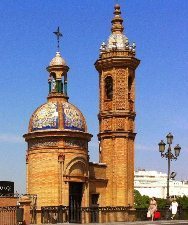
<point x="58" y="168"/>
<point x="153" y="183"/>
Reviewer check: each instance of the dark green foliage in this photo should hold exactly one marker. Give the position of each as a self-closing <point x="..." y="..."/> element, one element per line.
<point x="161" y="203"/>
<point x="183" y="202"/>
<point x="142" y="201"/>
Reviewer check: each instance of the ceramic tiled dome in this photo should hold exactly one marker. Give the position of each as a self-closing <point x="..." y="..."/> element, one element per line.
<point x="57" y="116"/>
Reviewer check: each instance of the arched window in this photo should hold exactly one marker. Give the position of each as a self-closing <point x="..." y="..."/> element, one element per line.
<point x="109" y="87"/>
<point x="130" y="93"/>
<point x="53" y="82"/>
<point x="53" y="75"/>
<point x="129" y="87"/>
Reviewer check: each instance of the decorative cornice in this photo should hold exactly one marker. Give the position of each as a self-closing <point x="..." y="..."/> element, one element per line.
<point x="99" y="180"/>
<point x="55" y="68"/>
<point x="122" y="62"/>
<point x="55" y="95"/>
<point x="110" y="134"/>
<point x="118" y="53"/>
<point x="110" y="114"/>
<point x="98" y="164"/>
<point x="57" y="133"/>
<point x="67" y="178"/>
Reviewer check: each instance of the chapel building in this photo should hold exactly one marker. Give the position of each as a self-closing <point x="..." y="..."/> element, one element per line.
<point x="58" y="168"/>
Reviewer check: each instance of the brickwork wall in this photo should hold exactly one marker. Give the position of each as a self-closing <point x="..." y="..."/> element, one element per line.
<point x="107" y="158"/>
<point x="48" y="175"/>
<point x="43" y="176"/>
<point x="120" y="172"/>
<point x="97" y="182"/>
<point x="130" y="175"/>
<point x="8" y="201"/>
<point x="97" y="171"/>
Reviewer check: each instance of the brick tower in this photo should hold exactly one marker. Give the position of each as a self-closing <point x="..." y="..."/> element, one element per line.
<point x="116" y="66"/>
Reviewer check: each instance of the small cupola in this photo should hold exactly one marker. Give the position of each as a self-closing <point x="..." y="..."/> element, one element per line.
<point x="57" y="73"/>
<point x="117" y="41"/>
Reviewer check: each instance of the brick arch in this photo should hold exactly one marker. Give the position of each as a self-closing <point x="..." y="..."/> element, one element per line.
<point x="76" y="167"/>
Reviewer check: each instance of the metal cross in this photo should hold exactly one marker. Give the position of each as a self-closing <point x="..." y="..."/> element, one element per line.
<point x="58" y="34"/>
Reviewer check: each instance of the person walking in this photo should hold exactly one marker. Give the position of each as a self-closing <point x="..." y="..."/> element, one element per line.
<point x="152" y="207"/>
<point x="174" y="208"/>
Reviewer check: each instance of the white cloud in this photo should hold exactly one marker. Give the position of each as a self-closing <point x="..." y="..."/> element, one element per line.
<point x="10" y="138"/>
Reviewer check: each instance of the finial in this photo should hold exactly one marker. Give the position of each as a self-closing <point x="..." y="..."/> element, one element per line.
<point x="117" y="21"/>
<point x="58" y="34"/>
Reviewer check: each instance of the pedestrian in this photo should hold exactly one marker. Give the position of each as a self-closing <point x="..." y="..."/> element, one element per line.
<point x="152" y="207"/>
<point x="174" y="208"/>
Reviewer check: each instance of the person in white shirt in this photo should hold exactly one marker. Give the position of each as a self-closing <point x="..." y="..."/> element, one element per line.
<point x="174" y="208"/>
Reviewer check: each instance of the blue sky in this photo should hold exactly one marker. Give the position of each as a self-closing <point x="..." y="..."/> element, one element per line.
<point x="27" y="45"/>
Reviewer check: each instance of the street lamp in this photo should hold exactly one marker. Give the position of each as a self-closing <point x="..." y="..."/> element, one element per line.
<point x="169" y="155"/>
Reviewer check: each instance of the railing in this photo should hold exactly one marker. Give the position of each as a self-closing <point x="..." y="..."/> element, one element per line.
<point x="62" y="214"/>
<point x="8" y="215"/>
<point x="54" y="214"/>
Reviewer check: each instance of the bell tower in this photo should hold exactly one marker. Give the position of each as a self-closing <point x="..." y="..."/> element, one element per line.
<point x="116" y="66"/>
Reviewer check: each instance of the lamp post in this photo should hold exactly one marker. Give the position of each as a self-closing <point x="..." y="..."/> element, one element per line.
<point x="169" y="155"/>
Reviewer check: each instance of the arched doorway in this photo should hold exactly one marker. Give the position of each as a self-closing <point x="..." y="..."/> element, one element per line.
<point x="75" y="201"/>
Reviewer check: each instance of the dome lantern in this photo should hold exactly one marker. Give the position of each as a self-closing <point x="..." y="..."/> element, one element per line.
<point x="57" y="75"/>
<point x="57" y="72"/>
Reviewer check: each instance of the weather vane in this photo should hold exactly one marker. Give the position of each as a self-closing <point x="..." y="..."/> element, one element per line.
<point x="58" y="35"/>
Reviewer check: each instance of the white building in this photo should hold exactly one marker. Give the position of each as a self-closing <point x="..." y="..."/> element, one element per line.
<point x="153" y="183"/>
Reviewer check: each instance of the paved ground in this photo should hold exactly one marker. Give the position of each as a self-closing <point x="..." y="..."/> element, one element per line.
<point x="161" y="222"/>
